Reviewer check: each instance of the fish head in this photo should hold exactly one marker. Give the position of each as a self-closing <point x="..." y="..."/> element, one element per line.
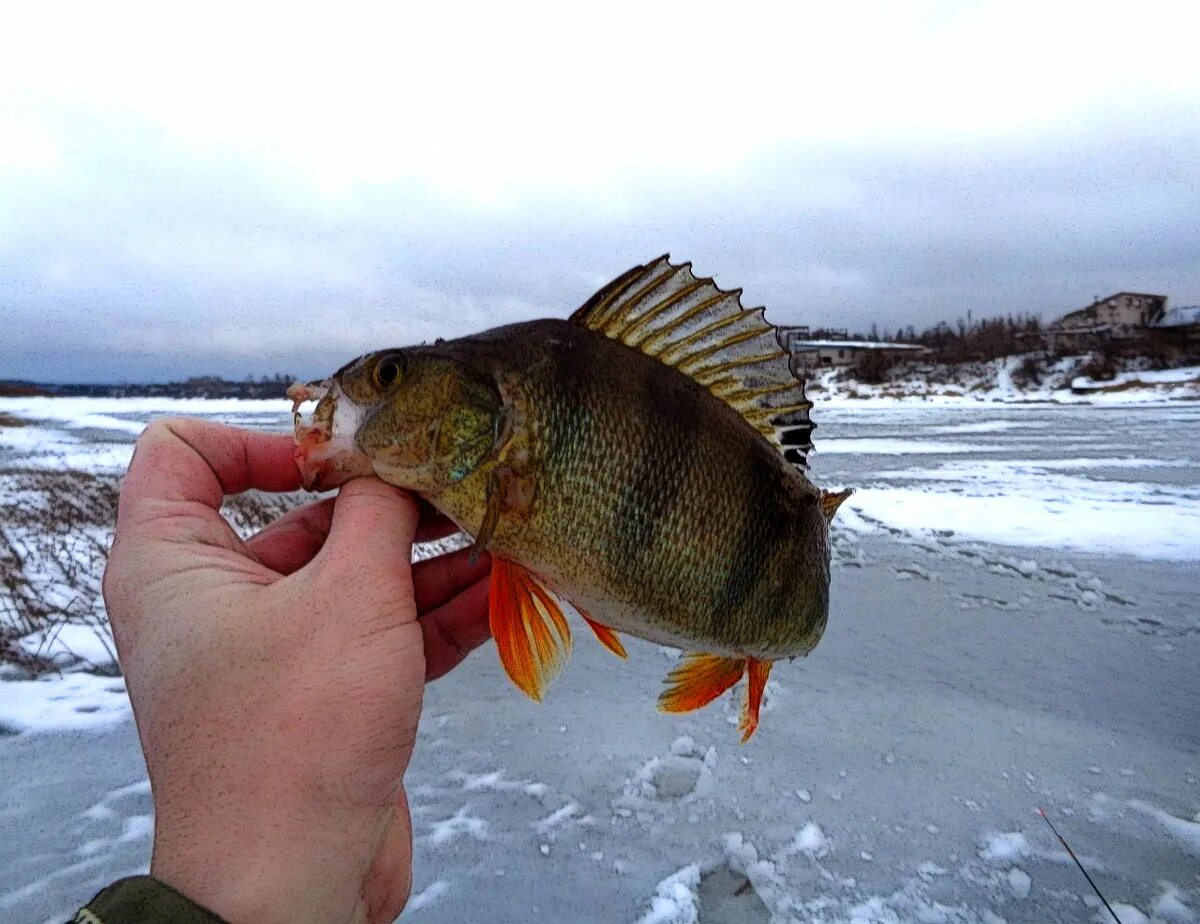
<point x="418" y="420"/>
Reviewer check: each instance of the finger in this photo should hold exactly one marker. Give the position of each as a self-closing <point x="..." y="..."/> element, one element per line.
<point x="373" y="525"/>
<point x="455" y="629"/>
<point x="179" y="459"/>
<point x="436" y="580"/>
<point x="290" y="542"/>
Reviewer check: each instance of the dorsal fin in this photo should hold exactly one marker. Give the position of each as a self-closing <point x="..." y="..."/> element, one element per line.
<point x="665" y="311"/>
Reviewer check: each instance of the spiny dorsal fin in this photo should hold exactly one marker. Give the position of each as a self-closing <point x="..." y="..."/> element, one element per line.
<point x="688" y="323"/>
<point x="831" y="500"/>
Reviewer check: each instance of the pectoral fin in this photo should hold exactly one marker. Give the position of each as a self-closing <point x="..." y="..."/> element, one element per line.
<point x="508" y="491"/>
<point x="698" y="680"/>
<point x="531" y="633"/>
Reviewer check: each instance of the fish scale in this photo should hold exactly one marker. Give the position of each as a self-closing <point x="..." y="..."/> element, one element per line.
<point x="726" y="507"/>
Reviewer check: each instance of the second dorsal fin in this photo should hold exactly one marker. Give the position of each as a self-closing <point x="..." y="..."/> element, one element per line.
<point x="665" y="311"/>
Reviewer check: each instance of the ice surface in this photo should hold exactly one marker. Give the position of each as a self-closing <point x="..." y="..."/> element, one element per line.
<point x="1187" y="833"/>
<point x="995" y="676"/>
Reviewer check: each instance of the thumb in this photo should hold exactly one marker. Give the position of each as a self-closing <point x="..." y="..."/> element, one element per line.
<point x="373" y="525"/>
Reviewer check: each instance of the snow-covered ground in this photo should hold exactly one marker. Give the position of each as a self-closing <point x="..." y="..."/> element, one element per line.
<point x="1013" y="625"/>
<point x="1055" y="381"/>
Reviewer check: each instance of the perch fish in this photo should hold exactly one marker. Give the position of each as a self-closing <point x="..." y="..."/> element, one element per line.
<point x="643" y="461"/>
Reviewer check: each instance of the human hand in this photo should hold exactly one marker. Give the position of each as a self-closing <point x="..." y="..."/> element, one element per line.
<point x="277" y="682"/>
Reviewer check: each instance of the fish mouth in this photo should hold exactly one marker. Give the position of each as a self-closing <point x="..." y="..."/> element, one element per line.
<point x="327" y="453"/>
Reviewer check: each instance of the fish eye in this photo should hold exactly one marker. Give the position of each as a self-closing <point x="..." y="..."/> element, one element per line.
<point x="388" y="370"/>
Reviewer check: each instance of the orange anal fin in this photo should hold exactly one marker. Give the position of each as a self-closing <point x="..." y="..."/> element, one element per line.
<point x="756" y="681"/>
<point x="698" y="680"/>
<point x="830" y="501"/>
<point x="608" y="638"/>
<point x="531" y="633"/>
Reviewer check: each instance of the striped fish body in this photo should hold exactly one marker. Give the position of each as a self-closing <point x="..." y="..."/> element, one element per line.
<point x="657" y="509"/>
<point x="643" y="460"/>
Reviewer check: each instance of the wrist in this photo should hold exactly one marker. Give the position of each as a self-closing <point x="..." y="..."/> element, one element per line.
<point x="255" y="870"/>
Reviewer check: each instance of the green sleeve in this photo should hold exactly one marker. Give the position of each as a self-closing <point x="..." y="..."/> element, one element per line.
<point x="143" y="900"/>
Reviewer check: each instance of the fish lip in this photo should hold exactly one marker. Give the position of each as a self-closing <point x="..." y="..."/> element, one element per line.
<point x="326" y="453"/>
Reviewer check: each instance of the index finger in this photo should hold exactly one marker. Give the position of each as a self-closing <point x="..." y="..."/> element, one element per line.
<point x="186" y="460"/>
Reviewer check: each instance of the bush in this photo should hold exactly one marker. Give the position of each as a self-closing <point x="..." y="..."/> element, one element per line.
<point x="1100" y="366"/>
<point x="1028" y="371"/>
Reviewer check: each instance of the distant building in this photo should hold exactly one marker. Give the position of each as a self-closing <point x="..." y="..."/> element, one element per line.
<point x="1125" y="316"/>
<point x="809" y="355"/>
<point x="1180" y="327"/>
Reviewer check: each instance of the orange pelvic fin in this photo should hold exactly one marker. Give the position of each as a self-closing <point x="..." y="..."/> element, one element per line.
<point x="698" y="680"/>
<point x="756" y="681"/>
<point x="608" y="638"/>
<point x="532" y="635"/>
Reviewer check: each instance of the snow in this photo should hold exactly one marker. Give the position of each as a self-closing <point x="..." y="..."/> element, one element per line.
<point x="1178" y="317"/>
<point x="71" y="643"/>
<point x="675" y="900"/>
<point x="67" y="702"/>
<point x="1019" y="882"/>
<point x="1170" y="906"/>
<point x="897" y="447"/>
<point x="426" y="897"/>
<point x="101" y="413"/>
<point x="975" y="666"/>
<point x="557" y="818"/>
<point x="993" y="382"/>
<point x="1004" y="847"/>
<point x="1126" y="914"/>
<point x="1096" y="521"/>
<point x="1190" y="374"/>
<point x="802" y="345"/>
<point x="460" y="824"/>
<point x="810" y="840"/>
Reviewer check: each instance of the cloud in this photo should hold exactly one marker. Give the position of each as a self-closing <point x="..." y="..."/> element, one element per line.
<point x="185" y="197"/>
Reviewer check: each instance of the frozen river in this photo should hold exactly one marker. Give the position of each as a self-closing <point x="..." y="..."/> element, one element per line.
<point x="1014" y="624"/>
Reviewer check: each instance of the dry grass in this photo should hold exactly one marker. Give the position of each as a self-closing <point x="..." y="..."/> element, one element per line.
<point x="8" y="420"/>
<point x="55" y="532"/>
<point x="53" y="546"/>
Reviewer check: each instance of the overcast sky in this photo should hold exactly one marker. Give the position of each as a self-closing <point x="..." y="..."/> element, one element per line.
<point x="244" y="192"/>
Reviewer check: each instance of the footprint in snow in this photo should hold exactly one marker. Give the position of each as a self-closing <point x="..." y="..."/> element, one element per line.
<point x="727" y="897"/>
<point x="679" y="777"/>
